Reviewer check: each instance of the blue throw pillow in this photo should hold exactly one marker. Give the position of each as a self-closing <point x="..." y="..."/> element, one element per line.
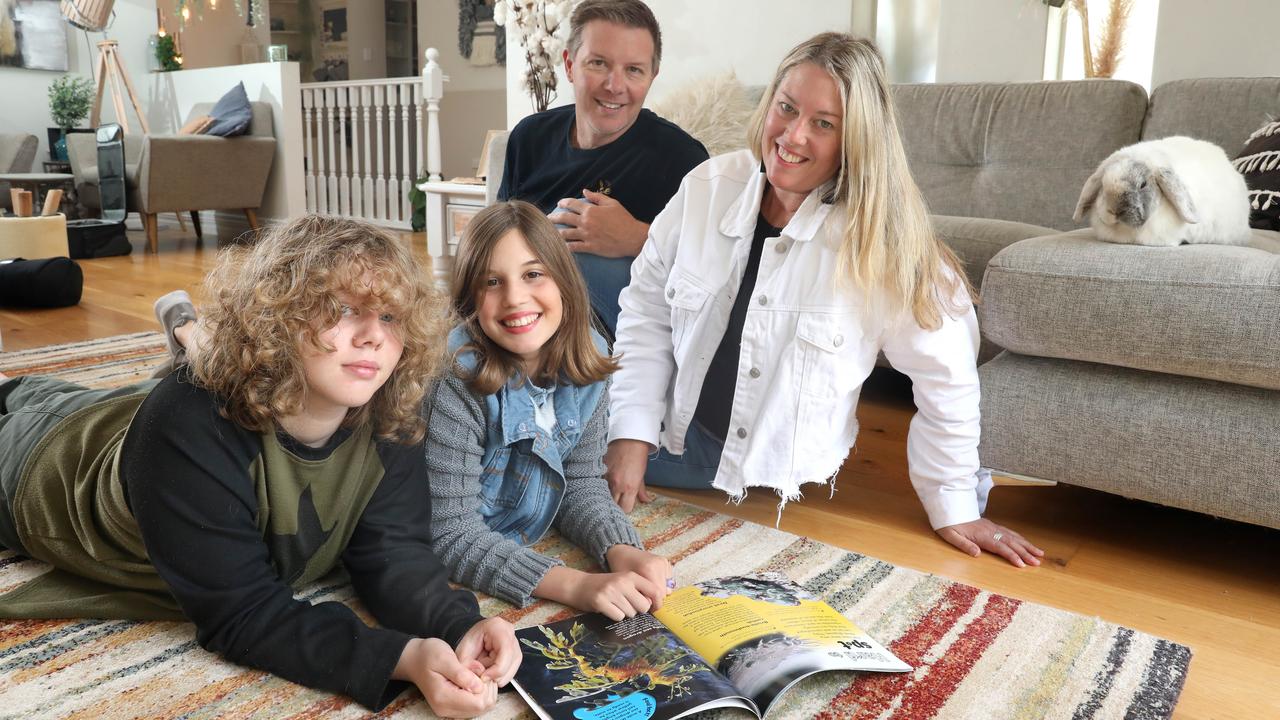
<point x="232" y="114"/>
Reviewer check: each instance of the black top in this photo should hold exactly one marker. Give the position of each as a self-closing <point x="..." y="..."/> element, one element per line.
<point x="715" y="404"/>
<point x="210" y="505"/>
<point x="642" y="169"/>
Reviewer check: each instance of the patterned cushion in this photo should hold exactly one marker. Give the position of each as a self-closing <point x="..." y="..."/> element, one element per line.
<point x="1259" y="162"/>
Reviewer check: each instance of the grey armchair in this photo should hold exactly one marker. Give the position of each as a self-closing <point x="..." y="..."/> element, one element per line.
<point x="189" y="173"/>
<point x="17" y="154"/>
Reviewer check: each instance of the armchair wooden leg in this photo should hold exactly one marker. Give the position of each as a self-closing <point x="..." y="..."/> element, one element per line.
<point x="149" y="221"/>
<point x="252" y="215"/>
<point x="195" y="223"/>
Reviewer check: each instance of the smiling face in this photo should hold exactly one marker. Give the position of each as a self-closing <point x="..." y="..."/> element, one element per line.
<point x="366" y="348"/>
<point x="611" y="75"/>
<point x="519" y="306"/>
<point x="800" y="144"/>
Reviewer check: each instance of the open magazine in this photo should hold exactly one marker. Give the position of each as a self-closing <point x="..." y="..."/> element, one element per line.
<point x="731" y="642"/>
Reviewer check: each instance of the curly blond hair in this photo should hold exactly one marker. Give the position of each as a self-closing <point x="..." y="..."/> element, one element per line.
<point x="271" y="299"/>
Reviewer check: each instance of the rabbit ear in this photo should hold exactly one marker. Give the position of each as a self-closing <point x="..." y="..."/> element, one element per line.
<point x="1176" y="193"/>
<point x="1089" y="194"/>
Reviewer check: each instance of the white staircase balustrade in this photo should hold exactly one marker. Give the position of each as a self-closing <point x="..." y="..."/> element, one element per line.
<point x="364" y="143"/>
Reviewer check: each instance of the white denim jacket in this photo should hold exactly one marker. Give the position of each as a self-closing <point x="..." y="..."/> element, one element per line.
<point x="807" y="347"/>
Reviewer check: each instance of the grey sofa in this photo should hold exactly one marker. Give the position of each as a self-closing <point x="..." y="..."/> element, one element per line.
<point x="17" y="154"/>
<point x="186" y="173"/>
<point x="1153" y="373"/>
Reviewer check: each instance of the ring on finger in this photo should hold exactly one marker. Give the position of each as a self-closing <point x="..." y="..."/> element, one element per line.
<point x="997" y="536"/>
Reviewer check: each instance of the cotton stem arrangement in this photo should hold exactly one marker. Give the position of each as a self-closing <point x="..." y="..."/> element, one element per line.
<point x="542" y="26"/>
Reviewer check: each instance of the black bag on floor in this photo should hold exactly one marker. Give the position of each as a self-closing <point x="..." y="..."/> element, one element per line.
<point x="51" y="282"/>
<point x="96" y="238"/>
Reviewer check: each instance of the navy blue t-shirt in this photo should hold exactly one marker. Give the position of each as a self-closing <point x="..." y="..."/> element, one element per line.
<point x="642" y="169"/>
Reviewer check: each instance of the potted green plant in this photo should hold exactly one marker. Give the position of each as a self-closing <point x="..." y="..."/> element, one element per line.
<point x="70" y="98"/>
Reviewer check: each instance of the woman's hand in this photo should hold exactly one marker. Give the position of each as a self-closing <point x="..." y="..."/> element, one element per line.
<point x="982" y="534"/>
<point x="625" y="463"/>
<point x="654" y="568"/>
<point x="452" y="688"/>
<point x="492" y="644"/>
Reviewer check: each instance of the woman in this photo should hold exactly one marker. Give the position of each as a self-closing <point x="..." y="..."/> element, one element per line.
<point x="767" y="288"/>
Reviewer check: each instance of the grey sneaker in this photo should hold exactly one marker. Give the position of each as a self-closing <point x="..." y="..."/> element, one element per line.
<point x="173" y="311"/>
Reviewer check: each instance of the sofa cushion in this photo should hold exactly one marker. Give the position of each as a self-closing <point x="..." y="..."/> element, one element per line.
<point x="1018" y="151"/>
<point x="1195" y="444"/>
<point x="1259" y="162"/>
<point x="1208" y="311"/>
<point x="232" y="114"/>
<point x="977" y="240"/>
<point x="1221" y="110"/>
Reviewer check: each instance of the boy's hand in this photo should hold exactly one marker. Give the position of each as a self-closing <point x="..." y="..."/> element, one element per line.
<point x="491" y="646"/>
<point x="616" y="595"/>
<point x="451" y="688"/>
<point x="654" y="568"/>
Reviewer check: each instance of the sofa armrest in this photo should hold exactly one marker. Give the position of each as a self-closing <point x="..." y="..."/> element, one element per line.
<point x="190" y="172"/>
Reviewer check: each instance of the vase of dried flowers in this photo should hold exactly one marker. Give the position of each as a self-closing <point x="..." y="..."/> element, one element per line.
<point x="542" y="26"/>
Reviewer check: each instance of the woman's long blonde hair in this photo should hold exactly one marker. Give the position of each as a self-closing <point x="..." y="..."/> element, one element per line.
<point x="570" y="355"/>
<point x="270" y="301"/>
<point x="889" y="247"/>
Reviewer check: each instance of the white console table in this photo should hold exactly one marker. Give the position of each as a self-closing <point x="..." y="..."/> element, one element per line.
<point x="450" y="206"/>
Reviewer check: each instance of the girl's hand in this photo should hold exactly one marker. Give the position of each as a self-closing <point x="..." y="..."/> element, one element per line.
<point x="982" y="534"/>
<point x="654" y="568"/>
<point x="452" y="689"/>
<point x="491" y="645"/>
<point x="616" y="595"/>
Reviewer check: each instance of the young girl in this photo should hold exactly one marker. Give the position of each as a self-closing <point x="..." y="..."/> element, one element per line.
<point x="291" y="443"/>
<point x="516" y="433"/>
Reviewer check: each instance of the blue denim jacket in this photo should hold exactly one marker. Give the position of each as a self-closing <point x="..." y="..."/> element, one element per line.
<point x="522" y="483"/>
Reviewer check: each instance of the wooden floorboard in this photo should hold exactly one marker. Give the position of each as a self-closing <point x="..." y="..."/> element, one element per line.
<point x="1209" y="583"/>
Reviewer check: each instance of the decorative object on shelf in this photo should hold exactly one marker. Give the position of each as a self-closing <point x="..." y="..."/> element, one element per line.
<point x="167" y="53"/>
<point x="70" y="99"/>
<point x="277" y="53"/>
<point x="1110" y="42"/>
<point x="32" y="35"/>
<point x="543" y="29"/>
<point x="478" y="37"/>
<point x="277" y="24"/>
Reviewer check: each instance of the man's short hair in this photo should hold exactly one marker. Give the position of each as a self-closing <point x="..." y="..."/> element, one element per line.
<point x="627" y="13"/>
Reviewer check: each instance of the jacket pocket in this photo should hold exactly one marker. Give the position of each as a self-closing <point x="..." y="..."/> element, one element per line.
<point x="827" y="362"/>
<point x="686" y="300"/>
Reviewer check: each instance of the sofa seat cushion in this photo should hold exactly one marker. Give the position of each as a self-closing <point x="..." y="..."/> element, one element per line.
<point x="1206" y="311"/>
<point x="1195" y="444"/>
<point x="90" y="175"/>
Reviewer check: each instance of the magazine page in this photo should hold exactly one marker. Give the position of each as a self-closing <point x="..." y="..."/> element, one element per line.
<point x="764" y="633"/>
<point x="591" y="668"/>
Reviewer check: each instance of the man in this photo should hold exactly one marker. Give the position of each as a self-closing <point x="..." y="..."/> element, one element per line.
<point x="604" y="167"/>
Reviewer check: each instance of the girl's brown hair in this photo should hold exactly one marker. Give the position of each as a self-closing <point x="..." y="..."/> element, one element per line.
<point x="270" y="300"/>
<point x="570" y="355"/>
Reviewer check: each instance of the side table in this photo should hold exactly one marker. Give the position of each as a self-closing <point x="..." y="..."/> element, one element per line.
<point x="41" y="183"/>
<point x="450" y="206"/>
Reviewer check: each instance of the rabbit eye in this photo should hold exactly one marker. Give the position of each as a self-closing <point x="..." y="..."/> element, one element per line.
<point x="1143" y="185"/>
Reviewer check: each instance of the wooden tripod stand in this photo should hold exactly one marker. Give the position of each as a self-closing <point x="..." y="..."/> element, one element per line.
<point x="110" y="68"/>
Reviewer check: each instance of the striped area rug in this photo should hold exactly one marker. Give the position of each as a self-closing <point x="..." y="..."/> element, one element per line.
<point x="976" y="654"/>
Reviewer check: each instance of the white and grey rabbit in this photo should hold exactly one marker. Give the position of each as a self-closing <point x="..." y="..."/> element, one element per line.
<point x="1167" y="192"/>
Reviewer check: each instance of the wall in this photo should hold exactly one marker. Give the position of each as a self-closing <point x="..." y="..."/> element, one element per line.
<point x="25" y="93"/>
<point x="366" y="38"/>
<point x="476" y="98"/>
<point x="1224" y="38"/>
<point x="991" y="40"/>
<point x="706" y="37"/>
<point x="212" y="38"/>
